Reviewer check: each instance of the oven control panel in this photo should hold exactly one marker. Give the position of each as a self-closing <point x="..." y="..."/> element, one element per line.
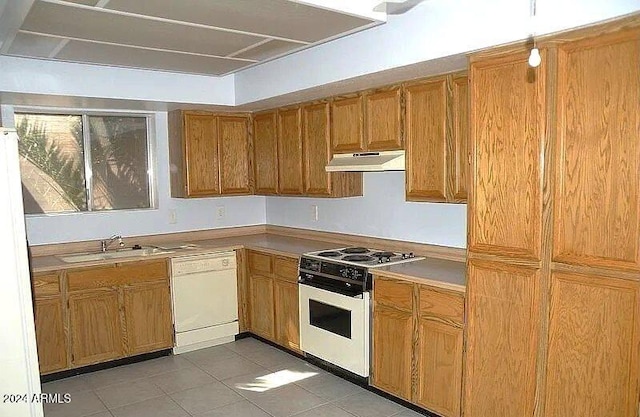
<point x="334" y="276"/>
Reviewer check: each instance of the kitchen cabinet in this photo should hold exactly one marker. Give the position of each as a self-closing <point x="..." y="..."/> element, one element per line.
<point x="273" y="303"/>
<point x="118" y="310"/>
<point x="554" y="229"/>
<point x="393" y="327"/>
<point x="316" y="142"/>
<point x="233" y="150"/>
<point x="287" y="321"/>
<point x="347" y="125"/>
<point x="96" y="326"/>
<point x="147" y="309"/>
<point x="49" y="323"/>
<point x="208" y="154"/>
<point x="436" y="139"/>
<point x="265" y="152"/>
<point x="290" y="176"/>
<point x="418" y="344"/>
<point x="383" y="117"/>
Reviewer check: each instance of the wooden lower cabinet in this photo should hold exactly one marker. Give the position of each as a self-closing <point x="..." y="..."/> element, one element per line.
<point x="50" y="334"/>
<point x="273" y="298"/>
<point x="147" y="312"/>
<point x="96" y="326"/>
<point x="262" y="306"/>
<point x="392" y="348"/>
<point x="439" y="365"/>
<point x="418" y="344"/>
<point x="287" y="322"/>
<point x="592" y="366"/>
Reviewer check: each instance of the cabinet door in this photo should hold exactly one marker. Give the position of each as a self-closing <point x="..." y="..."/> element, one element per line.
<point x="592" y="367"/>
<point x="316" y="143"/>
<point x="233" y="144"/>
<point x="507" y="130"/>
<point x="50" y="335"/>
<point x="597" y="181"/>
<point x="347" y="125"/>
<point x="460" y="155"/>
<point x="439" y="364"/>
<point x="96" y="327"/>
<point x="425" y="141"/>
<point x="392" y="350"/>
<point x="384" y="120"/>
<point x="290" y="175"/>
<point x="287" y="322"/>
<point x="265" y="159"/>
<point x="147" y="310"/>
<point x="201" y="153"/>
<point x="502" y="340"/>
<point x="262" y="307"/>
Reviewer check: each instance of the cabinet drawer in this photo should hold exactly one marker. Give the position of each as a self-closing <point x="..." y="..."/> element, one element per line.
<point x="116" y="274"/>
<point x="393" y="293"/>
<point x="286" y="269"/>
<point x="442" y="304"/>
<point x="46" y="284"/>
<point x="260" y="262"/>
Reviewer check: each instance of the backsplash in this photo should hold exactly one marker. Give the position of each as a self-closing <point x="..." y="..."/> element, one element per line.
<point x="381" y="212"/>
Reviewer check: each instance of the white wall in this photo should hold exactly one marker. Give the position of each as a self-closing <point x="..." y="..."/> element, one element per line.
<point x="433" y="29"/>
<point x="380" y="212"/>
<point x="36" y="76"/>
<point x="192" y="214"/>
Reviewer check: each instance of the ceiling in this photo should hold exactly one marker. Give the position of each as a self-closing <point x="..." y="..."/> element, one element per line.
<point x="211" y="37"/>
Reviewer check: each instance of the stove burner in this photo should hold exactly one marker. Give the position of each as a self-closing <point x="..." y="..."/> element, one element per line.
<point x="355" y="250"/>
<point x="330" y="254"/>
<point x="383" y="254"/>
<point x="358" y="258"/>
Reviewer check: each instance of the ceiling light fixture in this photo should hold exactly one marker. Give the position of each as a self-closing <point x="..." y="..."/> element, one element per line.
<point x="534" y="54"/>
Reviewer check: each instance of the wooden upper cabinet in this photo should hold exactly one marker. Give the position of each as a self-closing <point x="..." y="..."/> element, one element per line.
<point x="233" y="146"/>
<point x="265" y="153"/>
<point x="502" y="340"/>
<point x="507" y="131"/>
<point x="425" y="141"/>
<point x="201" y="154"/>
<point x="347" y="125"/>
<point x="597" y="179"/>
<point x="592" y="366"/>
<point x="460" y="156"/>
<point x="316" y="141"/>
<point x="290" y="175"/>
<point x="383" y="120"/>
<point x="209" y="154"/>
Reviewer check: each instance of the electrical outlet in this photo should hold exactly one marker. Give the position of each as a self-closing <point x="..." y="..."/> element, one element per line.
<point x="314" y="213"/>
<point x="173" y="216"/>
<point x="220" y="212"/>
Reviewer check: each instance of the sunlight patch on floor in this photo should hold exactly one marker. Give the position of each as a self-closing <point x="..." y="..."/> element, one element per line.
<point x="274" y="380"/>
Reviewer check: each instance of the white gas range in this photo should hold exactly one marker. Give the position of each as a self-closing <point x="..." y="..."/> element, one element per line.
<point x="334" y="303"/>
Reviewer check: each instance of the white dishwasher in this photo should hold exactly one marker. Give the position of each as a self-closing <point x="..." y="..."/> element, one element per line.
<point x="204" y="292"/>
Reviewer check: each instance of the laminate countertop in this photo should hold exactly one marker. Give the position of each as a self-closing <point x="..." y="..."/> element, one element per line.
<point x="437" y="272"/>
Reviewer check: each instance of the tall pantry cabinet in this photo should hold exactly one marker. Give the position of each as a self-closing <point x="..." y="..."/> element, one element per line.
<point x="554" y="229"/>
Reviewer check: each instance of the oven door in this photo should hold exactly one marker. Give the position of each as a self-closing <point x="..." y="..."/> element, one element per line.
<point x="335" y="328"/>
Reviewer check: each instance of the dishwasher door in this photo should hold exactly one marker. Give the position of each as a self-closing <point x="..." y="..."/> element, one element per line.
<point x="205" y="291"/>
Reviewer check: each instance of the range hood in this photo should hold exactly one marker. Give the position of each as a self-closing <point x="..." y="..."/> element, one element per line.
<point x="367" y="161"/>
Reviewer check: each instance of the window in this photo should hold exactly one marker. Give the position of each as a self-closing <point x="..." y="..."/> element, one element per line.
<point x="83" y="162"/>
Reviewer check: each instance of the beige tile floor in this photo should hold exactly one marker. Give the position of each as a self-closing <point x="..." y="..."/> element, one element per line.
<point x="246" y="378"/>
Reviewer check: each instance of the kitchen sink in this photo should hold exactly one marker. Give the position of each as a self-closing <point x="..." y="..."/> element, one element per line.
<point x="120" y="253"/>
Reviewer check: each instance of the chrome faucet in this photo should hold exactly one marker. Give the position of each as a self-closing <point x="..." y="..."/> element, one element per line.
<point x="104" y="244"/>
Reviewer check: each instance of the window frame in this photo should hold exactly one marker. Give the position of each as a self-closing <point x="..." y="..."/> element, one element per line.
<point x="86" y="143"/>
